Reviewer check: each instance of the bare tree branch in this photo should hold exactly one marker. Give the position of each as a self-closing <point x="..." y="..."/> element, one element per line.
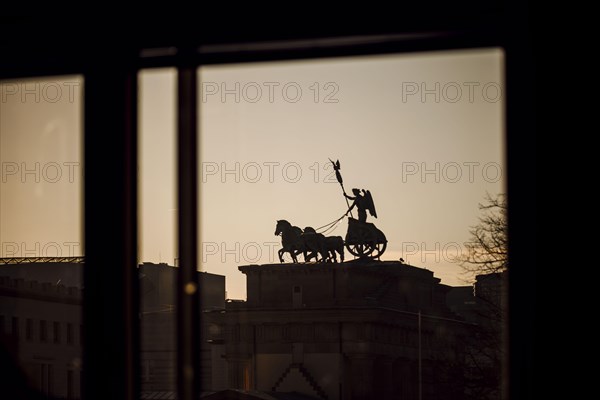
<point x="486" y="252"/>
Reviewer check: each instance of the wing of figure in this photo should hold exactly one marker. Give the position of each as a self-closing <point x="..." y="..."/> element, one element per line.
<point x="370" y="204"/>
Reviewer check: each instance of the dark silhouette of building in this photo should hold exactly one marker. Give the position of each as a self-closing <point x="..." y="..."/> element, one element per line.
<point x="41" y="323"/>
<point x="370" y="330"/>
<point x="355" y="330"/>
<point x="484" y="305"/>
<point x="484" y="302"/>
<point x="158" y="321"/>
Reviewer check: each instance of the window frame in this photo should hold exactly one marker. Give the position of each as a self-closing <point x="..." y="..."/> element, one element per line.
<point x="111" y="329"/>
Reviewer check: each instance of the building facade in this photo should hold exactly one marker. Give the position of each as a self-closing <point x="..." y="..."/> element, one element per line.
<point x="41" y="324"/>
<point x="158" y="323"/>
<point x="376" y="330"/>
<point x="484" y="304"/>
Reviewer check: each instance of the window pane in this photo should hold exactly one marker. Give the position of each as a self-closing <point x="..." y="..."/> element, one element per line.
<point x="158" y="214"/>
<point x="419" y="139"/>
<point x="41" y="252"/>
<point x="56" y="332"/>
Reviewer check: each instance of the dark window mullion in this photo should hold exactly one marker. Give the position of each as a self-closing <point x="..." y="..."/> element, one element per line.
<point x="187" y="286"/>
<point x="111" y="311"/>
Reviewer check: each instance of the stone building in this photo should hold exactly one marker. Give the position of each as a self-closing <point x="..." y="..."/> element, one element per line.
<point x="375" y="330"/>
<point x="158" y="323"/>
<point x="41" y="323"/>
<point x="484" y="305"/>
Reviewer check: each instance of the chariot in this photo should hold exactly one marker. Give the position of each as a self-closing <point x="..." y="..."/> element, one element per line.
<point x="364" y="240"/>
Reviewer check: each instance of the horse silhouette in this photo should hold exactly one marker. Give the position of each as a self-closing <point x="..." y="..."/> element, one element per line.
<point x="290" y="239"/>
<point x="332" y="244"/>
<point x="309" y="243"/>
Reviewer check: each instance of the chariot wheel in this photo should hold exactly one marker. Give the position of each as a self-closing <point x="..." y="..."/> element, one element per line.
<point x="367" y="250"/>
<point x="360" y="250"/>
<point x="377" y="249"/>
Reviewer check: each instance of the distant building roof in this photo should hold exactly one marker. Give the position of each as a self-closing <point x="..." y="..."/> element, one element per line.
<point x="31" y="260"/>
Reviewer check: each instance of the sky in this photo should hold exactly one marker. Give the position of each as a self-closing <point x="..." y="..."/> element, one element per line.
<point x="41" y="167"/>
<point x="424" y="132"/>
